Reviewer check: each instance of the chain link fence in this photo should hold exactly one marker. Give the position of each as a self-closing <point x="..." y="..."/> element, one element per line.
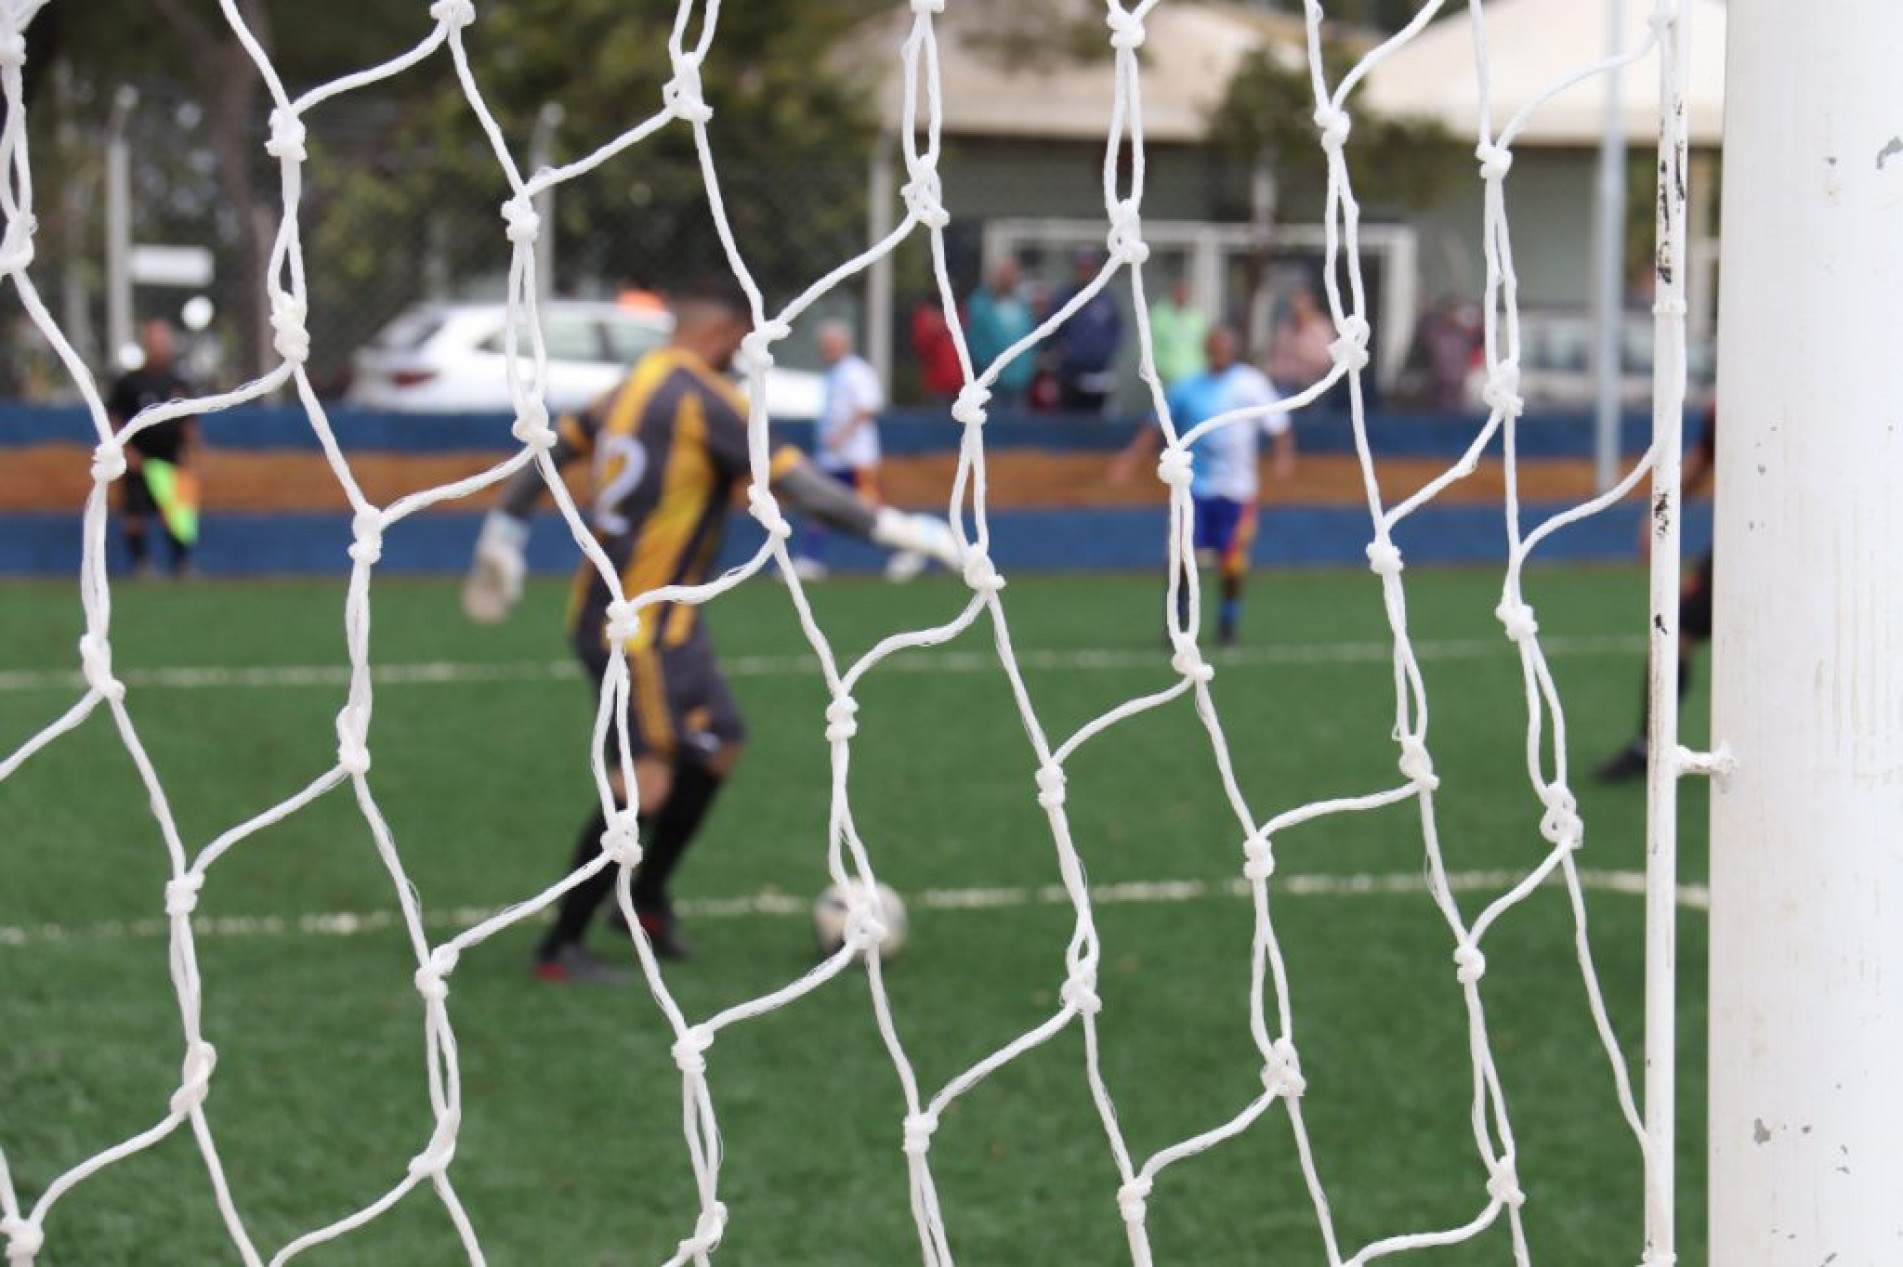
<point x="390" y="222"/>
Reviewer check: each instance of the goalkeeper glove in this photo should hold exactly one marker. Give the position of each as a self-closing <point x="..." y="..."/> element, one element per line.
<point x="495" y="574"/>
<point x="919" y="534"/>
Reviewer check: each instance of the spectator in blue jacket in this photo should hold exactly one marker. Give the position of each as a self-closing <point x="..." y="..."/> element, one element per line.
<point x="1087" y="342"/>
<point x="997" y="316"/>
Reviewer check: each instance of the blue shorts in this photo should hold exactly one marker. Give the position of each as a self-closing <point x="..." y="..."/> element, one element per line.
<point x="861" y="480"/>
<point x="1225" y="529"/>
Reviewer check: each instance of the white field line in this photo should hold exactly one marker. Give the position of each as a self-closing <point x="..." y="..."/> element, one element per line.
<point x="780" y="905"/>
<point x="445" y="673"/>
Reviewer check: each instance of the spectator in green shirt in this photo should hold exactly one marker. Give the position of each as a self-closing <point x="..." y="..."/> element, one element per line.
<point x="1177" y="334"/>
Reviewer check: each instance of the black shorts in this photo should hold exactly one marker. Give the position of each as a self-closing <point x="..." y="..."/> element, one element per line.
<point x="679" y="707"/>
<point x="135" y="497"/>
<point x="1694" y="604"/>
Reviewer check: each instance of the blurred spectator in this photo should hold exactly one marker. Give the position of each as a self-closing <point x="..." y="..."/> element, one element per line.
<point x="1452" y="340"/>
<point x="1177" y="334"/>
<point x="1087" y="342"/>
<point x="996" y="317"/>
<point x="30" y="370"/>
<point x="1044" y="395"/>
<point x="1445" y="341"/>
<point x="1299" y="357"/>
<point x="160" y="470"/>
<point x="847" y="434"/>
<point x="635" y="293"/>
<point x="939" y="371"/>
<point x="846" y="444"/>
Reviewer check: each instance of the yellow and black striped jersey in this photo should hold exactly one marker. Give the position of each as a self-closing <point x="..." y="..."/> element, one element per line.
<point x="666" y="450"/>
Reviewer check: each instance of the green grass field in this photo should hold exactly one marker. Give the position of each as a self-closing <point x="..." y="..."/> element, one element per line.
<point x="571" y="1150"/>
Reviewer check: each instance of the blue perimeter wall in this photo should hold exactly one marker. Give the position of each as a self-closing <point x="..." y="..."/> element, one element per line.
<point x="1107" y="538"/>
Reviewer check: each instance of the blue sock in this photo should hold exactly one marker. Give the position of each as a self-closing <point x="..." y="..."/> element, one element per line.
<point x="1227" y="615"/>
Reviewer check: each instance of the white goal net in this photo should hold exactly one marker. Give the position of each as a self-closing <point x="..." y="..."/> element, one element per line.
<point x="1274" y="1013"/>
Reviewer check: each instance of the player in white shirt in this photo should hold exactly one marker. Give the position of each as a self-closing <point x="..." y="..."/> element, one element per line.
<point x="1226" y="486"/>
<point x="846" y="438"/>
<point x="848" y="431"/>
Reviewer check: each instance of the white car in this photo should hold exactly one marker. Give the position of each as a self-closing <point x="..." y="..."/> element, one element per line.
<point x="448" y="358"/>
<point x="1556" y="373"/>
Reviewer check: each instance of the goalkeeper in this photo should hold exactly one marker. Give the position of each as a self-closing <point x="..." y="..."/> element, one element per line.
<point x="667" y="449"/>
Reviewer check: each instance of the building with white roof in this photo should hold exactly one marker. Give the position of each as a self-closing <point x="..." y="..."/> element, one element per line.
<point x="1027" y="90"/>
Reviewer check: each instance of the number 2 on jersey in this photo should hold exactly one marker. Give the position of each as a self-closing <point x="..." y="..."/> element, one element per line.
<point x="617" y="482"/>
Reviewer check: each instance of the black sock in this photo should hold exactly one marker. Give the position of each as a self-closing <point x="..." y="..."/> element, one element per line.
<point x="666" y="840"/>
<point x="578" y="905"/>
<point x="135" y="546"/>
<point x="1229" y="614"/>
<point x="695" y="787"/>
<point x="1642" y="742"/>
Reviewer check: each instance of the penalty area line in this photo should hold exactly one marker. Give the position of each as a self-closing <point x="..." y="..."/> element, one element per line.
<point x="1077" y="660"/>
<point x="775" y="904"/>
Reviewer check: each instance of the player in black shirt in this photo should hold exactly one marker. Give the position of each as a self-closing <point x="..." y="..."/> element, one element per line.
<point x="173" y="442"/>
<point x="1694" y="615"/>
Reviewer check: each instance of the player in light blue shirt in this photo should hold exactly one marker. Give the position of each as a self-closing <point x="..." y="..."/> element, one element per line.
<point x="1225" y="486"/>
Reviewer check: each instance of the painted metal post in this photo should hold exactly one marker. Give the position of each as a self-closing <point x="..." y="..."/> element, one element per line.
<point x="1807" y="832"/>
<point x="119" y="229"/>
<point x="1258" y="317"/>
<point x="1400" y="307"/>
<point x="880" y="318"/>
<point x="542" y="155"/>
<point x="1665" y="769"/>
<point x="1608" y="297"/>
<point x="75" y="311"/>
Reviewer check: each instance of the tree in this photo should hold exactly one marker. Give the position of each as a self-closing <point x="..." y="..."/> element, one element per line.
<point x="389" y="154"/>
<point x="1378" y="15"/>
<point x="143" y="41"/>
<point x="789" y="110"/>
<point x="1266" y="122"/>
<point x="1268" y="114"/>
<point x="228" y="87"/>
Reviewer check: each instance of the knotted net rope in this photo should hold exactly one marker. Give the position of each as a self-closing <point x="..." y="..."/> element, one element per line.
<point x="1551" y="809"/>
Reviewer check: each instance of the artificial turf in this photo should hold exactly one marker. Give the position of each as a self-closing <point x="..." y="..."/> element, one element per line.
<point x="571" y="1150"/>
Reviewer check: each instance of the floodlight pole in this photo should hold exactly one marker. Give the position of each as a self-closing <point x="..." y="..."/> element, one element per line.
<point x="542" y="155"/>
<point x="1807" y="833"/>
<point x="880" y="317"/>
<point x="119" y="227"/>
<point x="1608" y="300"/>
<point x="1258" y="319"/>
<point x="75" y="311"/>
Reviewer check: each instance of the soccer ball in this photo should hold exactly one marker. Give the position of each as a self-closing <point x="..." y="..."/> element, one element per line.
<point x="833" y="909"/>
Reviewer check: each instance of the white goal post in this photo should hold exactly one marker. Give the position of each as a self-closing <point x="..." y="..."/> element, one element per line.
<point x="1807" y="832"/>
